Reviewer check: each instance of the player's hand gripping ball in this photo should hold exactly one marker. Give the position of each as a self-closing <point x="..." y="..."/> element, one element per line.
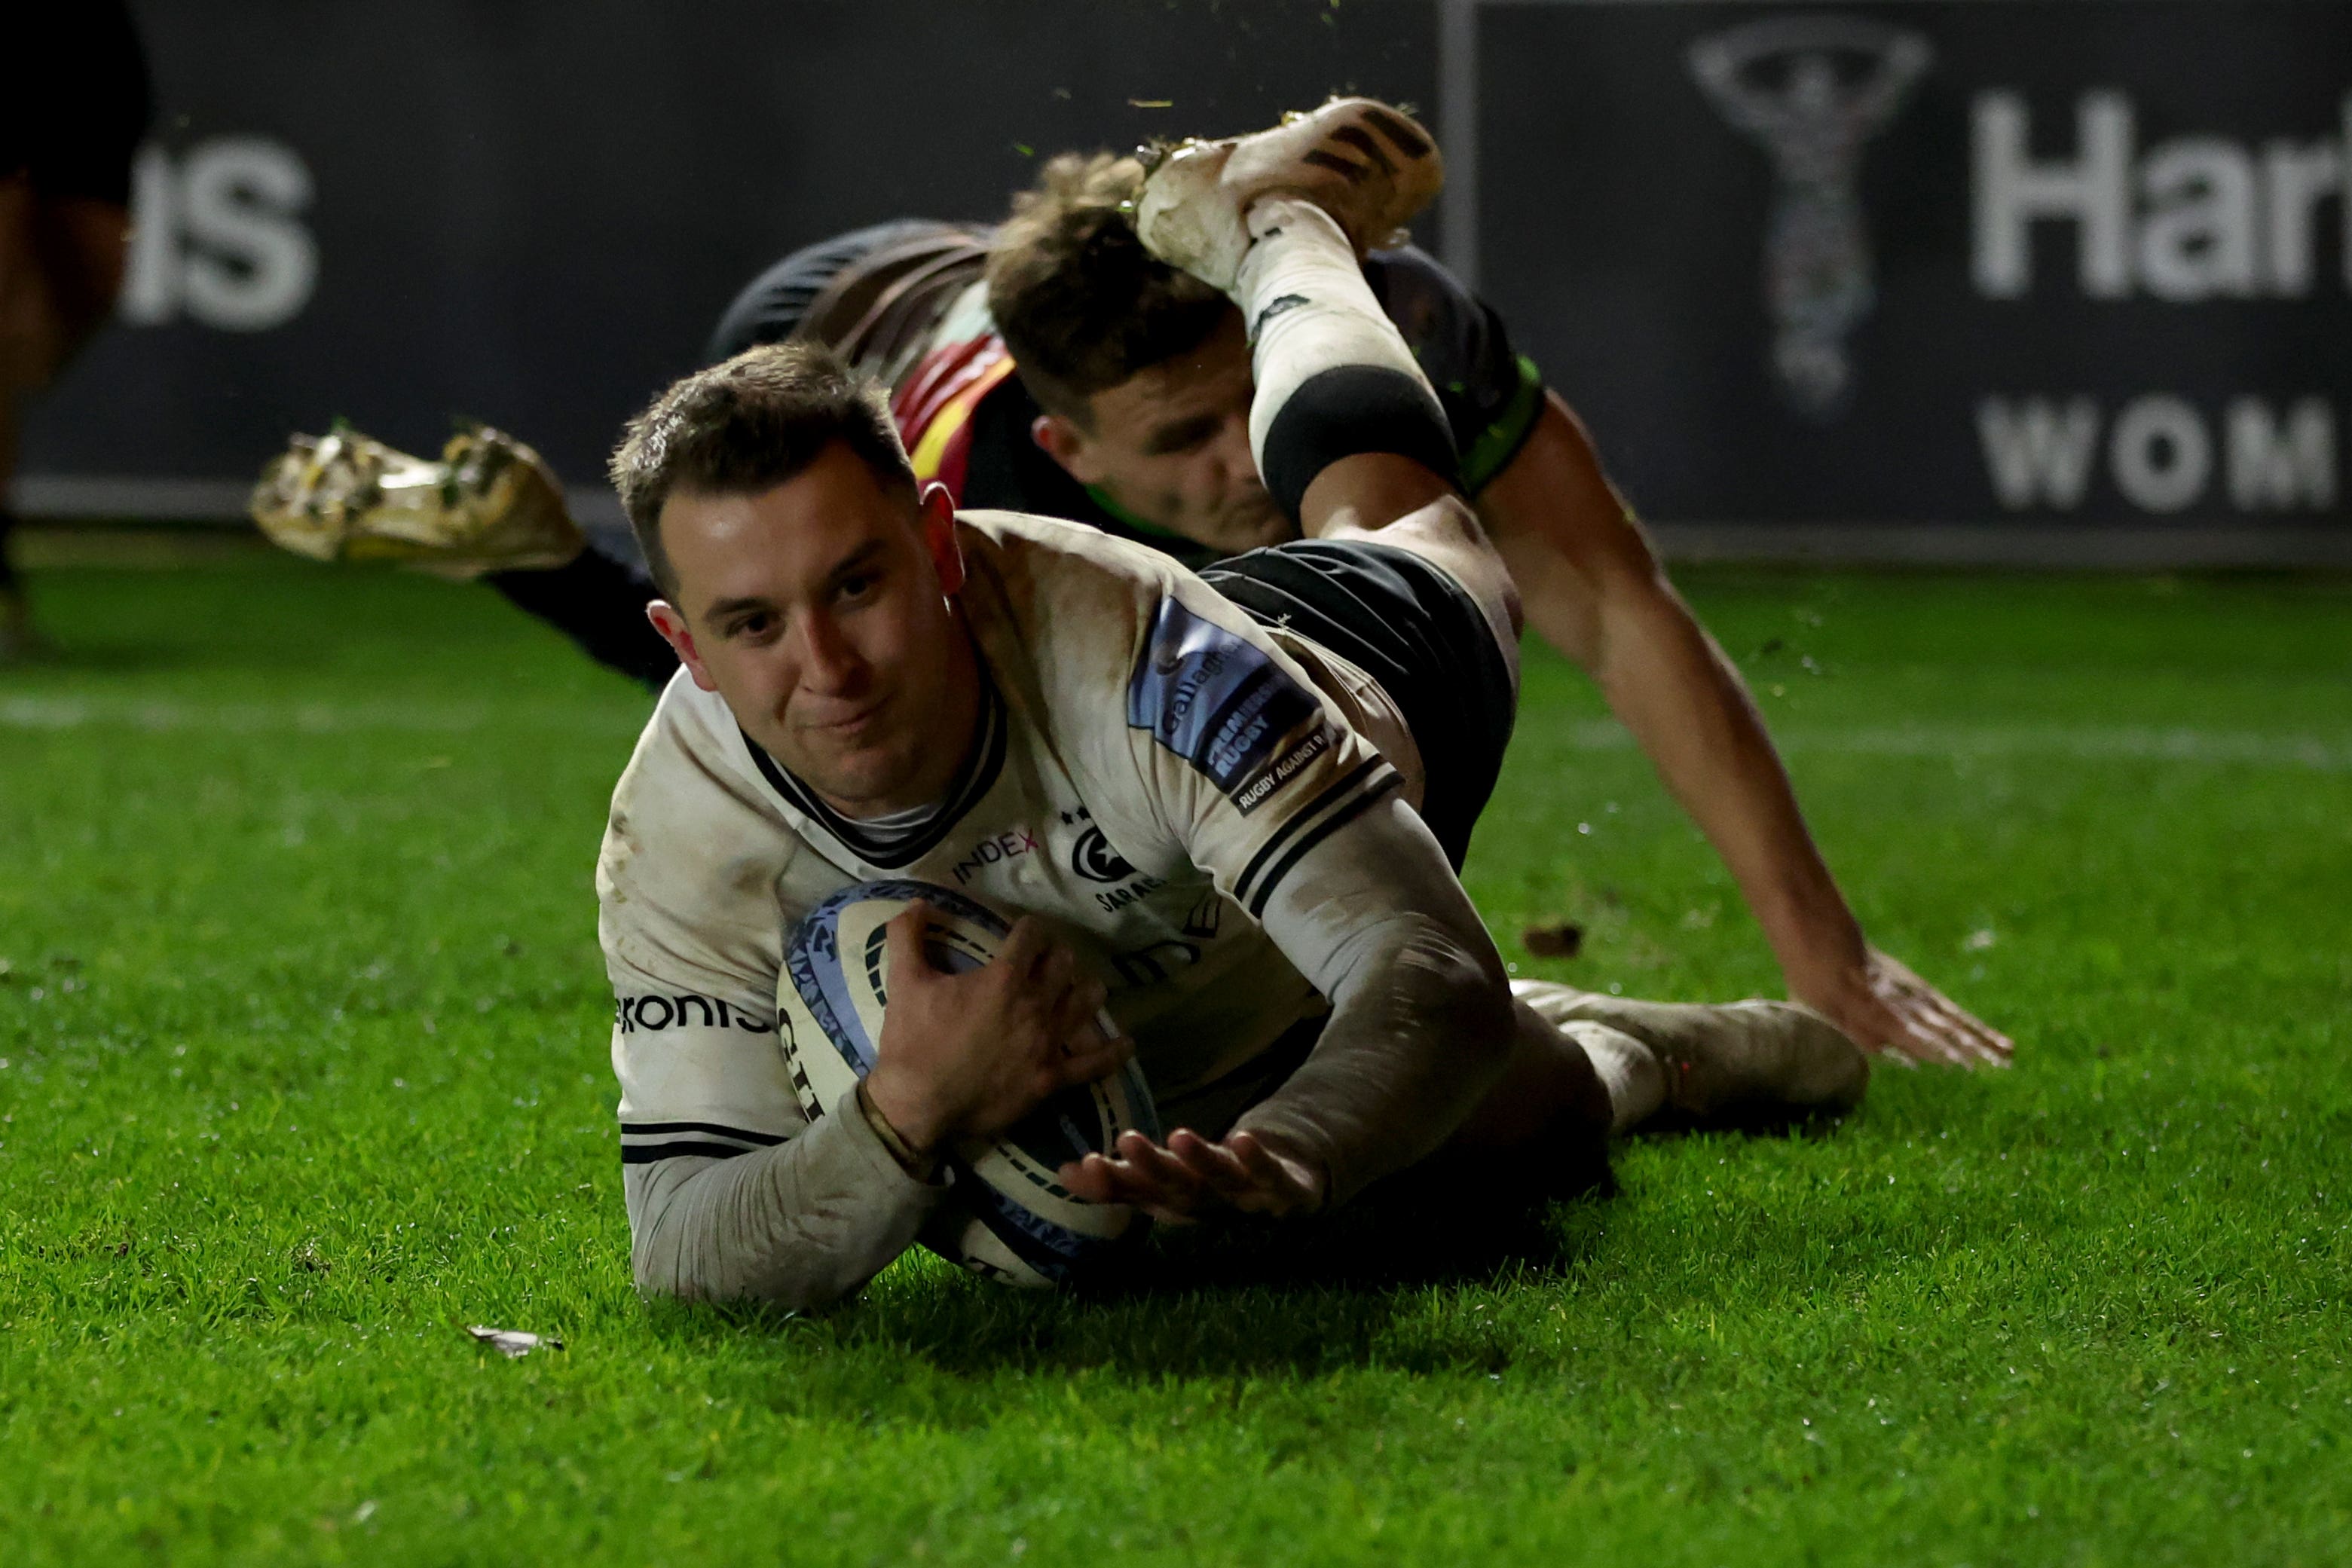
<point x="1006" y="1216"/>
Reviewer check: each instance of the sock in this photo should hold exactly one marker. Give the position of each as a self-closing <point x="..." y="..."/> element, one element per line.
<point x="1334" y="376"/>
<point x="1635" y="1081"/>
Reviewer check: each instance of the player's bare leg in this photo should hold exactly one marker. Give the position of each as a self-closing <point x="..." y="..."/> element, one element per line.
<point x="489" y="504"/>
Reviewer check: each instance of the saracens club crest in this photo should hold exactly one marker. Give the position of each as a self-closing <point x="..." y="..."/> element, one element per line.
<point x="1091" y="856"/>
<point x="1813" y="91"/>
<point x="1094" y="859"/>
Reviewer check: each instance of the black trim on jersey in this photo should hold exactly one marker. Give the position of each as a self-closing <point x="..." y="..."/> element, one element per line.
<point x="971" y="786"/>
<point x="1323" y="829"/>
<point x="637" y="1129"/>
<point x="1353" y="778"/>
<point x="648" y="1153"/>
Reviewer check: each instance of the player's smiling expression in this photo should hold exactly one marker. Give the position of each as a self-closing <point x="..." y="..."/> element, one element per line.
<point x="819" y="609"/>
<point x="1171" y="444"/>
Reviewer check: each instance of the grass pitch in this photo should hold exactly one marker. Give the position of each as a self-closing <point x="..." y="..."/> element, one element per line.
<point x="304" y="1033"/>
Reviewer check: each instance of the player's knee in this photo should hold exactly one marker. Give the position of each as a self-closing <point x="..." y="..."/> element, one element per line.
<point x="1446" y="533"/>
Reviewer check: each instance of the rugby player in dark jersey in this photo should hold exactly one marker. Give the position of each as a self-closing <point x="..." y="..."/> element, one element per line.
<point x="1051" y="365"/>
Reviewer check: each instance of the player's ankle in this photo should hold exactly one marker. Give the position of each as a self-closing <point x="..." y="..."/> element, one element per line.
<point x="1629" y="1070"/>
<point x="1279" y="215"/>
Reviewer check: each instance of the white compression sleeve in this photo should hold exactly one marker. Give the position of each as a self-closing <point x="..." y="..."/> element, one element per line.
<point x="1421" y="1025"/>
<point x="1312" y="317"/>
<point x="801" y="1224"/>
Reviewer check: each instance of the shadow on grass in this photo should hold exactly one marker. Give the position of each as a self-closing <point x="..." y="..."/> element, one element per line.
<point x="1222" y="1301"/>
<point x="1375" y="1286"/>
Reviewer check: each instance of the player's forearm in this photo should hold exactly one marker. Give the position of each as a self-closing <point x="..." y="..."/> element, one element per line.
<point x="1592" y="588"/>
<point x="1670" y="684"/>
<point x="1408" y="1053"/>
<point x="803" y="1224"/>
<point x="1420" y="1017"/>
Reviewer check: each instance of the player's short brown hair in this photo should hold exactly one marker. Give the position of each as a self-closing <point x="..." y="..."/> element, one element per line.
<point x="745" y="424"/>
<point x="1081" y="304"/>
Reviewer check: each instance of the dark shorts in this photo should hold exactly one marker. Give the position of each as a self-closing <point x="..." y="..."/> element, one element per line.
<point x="1419" y="634"/>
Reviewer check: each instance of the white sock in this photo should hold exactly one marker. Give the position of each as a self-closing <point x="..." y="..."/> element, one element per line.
<point x="1635" y="1081"/>
<point x="1302" y="291"/>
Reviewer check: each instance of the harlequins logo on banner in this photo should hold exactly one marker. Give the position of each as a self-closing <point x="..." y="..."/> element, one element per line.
<point x="1813" y="91"/>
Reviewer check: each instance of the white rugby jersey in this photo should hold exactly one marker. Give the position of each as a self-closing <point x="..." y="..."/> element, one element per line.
<point x="1152" y="767"/>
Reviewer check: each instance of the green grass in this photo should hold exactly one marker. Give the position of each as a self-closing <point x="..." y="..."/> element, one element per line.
<point x="304" y="1033"/>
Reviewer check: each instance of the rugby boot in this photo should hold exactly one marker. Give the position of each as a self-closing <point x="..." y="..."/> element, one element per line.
<point x="1368" y="165"/>
<point x="1738" y="1064"/>
<point x="489" y="504"/>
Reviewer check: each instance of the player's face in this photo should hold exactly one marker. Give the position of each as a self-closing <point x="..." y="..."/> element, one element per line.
<point x="819" y="610"/>
<point x="1171" y="445"/>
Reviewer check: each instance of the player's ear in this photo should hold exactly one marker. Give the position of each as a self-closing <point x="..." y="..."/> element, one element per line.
<point x="938" y="523"/>
<point x="680" y="637"/>
<point x="1061" y="439"/>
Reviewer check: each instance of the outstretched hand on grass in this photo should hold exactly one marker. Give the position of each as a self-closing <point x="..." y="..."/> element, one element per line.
<point x="1191" y="1179"/>
<point x="1885" y="1007"/>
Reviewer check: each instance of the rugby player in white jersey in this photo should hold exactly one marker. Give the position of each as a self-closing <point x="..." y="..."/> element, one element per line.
<point x="1197" y="793"/>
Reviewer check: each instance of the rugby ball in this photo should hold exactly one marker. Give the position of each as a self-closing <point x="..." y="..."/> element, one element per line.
<point x="1006" y="1214"/>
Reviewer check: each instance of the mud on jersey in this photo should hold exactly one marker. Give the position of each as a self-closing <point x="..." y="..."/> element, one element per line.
<point x="1152" y="766"/>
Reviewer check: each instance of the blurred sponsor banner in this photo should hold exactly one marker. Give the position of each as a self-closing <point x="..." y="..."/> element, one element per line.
<point x="533" y="212"/>
<point x="2009" y="280"/>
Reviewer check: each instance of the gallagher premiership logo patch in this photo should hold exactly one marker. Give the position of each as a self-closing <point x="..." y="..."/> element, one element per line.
<point x="1223" y="706"/>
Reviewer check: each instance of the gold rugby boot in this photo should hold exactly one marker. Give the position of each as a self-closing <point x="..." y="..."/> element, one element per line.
<point x="489" y="504"/>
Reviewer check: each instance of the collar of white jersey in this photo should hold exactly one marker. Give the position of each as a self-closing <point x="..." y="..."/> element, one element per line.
<point x="972" y="782"/>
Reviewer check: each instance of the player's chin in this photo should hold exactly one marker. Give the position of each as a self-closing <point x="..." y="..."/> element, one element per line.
<point x="1253" y="527"/>
<point x="863" y="766"/>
